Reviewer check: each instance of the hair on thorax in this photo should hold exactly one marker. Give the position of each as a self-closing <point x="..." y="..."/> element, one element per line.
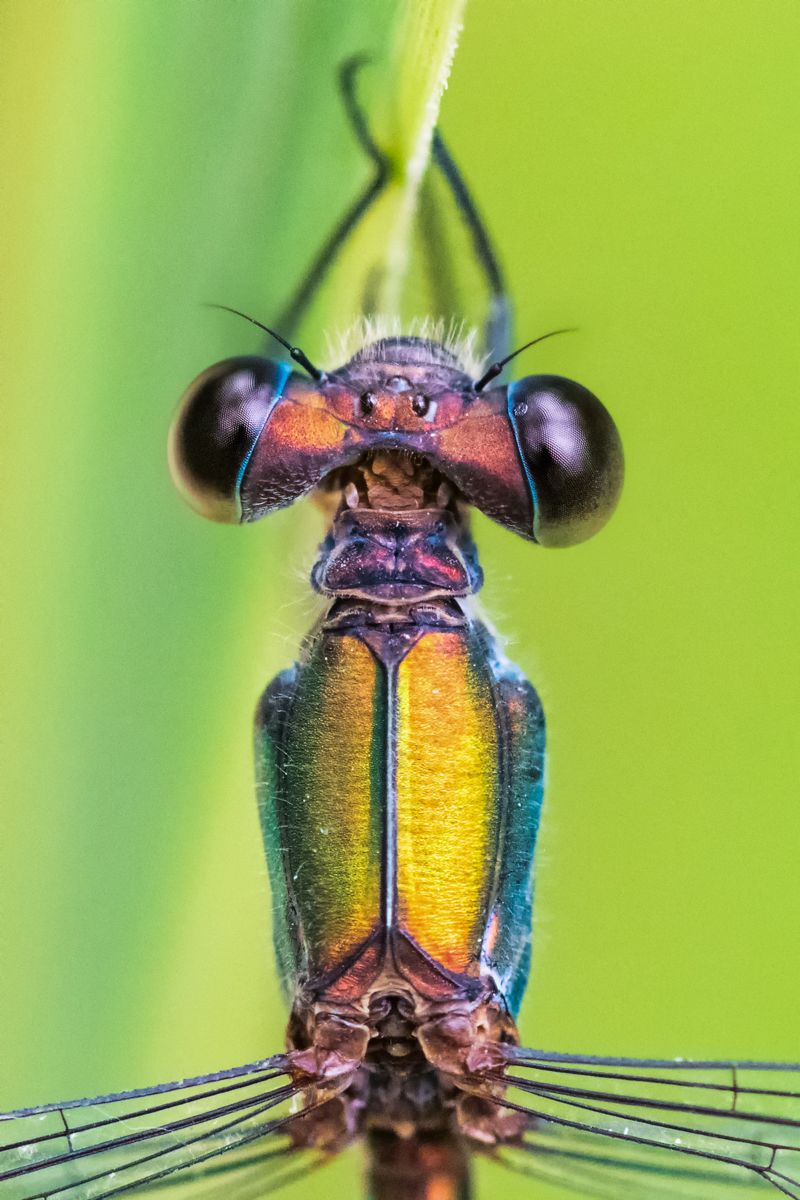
<point x="362" y="339"/>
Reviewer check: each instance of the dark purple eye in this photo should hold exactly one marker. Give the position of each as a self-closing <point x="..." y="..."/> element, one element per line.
<point x="219" y="422"/>
<point x="571" y="455"/>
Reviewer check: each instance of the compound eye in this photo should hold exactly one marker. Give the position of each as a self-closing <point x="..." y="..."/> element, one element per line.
<point x="571" y="455"/>
<point x="217" y="426"/>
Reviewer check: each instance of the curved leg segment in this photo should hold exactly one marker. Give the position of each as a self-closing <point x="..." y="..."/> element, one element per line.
<point x="497" y="332"/>
<point x="319" y="268"/>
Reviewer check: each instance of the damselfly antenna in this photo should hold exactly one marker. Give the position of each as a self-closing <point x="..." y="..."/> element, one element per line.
<point x="295" y="352"/>
<point x="496" y="367"/>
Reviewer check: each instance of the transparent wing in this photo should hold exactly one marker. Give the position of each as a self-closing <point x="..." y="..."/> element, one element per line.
<point x="657" y="1128"/>
<point x="579" y="1166"/>
<point x="588" y="1165"/>
<point x="229" y="1130"/>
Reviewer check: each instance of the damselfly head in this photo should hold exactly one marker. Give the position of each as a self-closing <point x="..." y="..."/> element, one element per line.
<point x="541" y="456"/>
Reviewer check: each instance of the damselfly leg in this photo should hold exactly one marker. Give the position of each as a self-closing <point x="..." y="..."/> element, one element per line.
<point x="497" y="333"/>
<point x="296" y="307"/>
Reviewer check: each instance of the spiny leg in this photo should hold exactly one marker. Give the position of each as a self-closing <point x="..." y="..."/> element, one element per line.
<point x="319" y="268"/>
<point x="497" y="333"/>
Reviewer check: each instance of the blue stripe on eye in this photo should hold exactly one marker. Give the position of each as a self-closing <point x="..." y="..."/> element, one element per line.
<point x="525" y="467"/>
<point x="285" y="372"/>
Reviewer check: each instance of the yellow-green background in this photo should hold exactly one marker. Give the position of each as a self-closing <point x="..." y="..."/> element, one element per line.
<point x="638" y="164"/>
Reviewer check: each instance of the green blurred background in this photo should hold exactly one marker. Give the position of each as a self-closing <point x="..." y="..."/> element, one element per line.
<point x="638" y="164"/>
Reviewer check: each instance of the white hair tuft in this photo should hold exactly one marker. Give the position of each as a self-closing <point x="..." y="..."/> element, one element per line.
<point x="458" y="339"/>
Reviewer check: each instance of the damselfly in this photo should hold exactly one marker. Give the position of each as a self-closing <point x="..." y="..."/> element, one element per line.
<point x="400" y="768"/>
